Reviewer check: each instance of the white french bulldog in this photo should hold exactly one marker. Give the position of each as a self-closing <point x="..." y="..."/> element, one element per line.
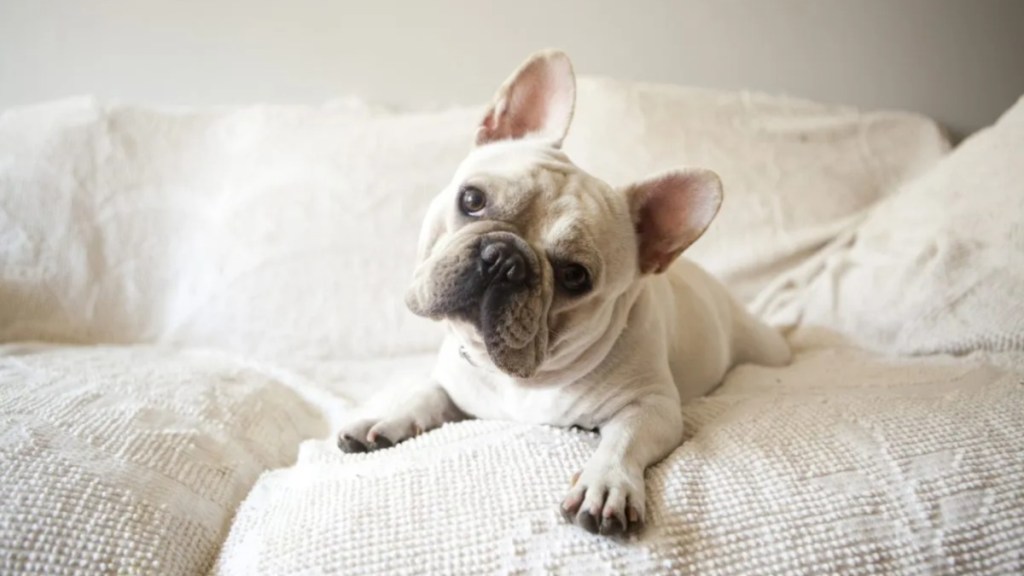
<point x="562" y="302"/>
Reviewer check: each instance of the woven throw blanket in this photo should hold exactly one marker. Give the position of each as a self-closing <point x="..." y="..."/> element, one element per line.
<point x="840" y="463"/>
<point x="133" y="460"/>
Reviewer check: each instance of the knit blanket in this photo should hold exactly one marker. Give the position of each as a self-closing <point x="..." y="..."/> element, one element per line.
<point x="844" y="462"/>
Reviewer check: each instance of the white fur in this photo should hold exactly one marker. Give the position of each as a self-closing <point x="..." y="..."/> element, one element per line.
<point x="623" y="365"/>
<point x="666" y="338"/>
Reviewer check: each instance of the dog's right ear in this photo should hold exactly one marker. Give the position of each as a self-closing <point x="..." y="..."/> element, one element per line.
<point x="537" y="100"/>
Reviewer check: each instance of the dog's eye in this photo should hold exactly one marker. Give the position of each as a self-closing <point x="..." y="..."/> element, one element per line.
<point x="574" y="278"/>
<point x="472" y="201"/>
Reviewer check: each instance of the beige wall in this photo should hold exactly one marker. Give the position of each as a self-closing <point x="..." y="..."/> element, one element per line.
<point x="961" y="61"/>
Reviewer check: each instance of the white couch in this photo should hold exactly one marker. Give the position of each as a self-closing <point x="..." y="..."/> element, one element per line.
<point x="190" y="301"/>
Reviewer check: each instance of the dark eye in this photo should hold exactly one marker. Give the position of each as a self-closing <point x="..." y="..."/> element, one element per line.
<point x="472" y="201"/>
<point x="574" y="278"/>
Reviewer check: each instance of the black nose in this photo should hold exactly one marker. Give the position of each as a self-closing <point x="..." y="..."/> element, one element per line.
<point x="502" y="261"/>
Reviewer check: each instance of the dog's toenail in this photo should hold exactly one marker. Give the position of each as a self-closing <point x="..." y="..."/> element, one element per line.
<point x="611" y="526"/>
<point x="380" y="443"/>
<point x="587" y="521"/>
<point x="347" y="443"/>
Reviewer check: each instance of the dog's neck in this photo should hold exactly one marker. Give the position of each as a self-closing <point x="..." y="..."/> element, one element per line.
<point x="567" y="362"/>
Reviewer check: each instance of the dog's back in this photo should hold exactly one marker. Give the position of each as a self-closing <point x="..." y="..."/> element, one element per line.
<point x="710" y="331"/>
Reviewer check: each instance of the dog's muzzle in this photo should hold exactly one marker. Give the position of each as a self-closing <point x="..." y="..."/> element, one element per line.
<point x="493" y="281"/>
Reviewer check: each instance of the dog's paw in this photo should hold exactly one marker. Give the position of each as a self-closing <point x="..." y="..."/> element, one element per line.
<point x="370" y="435"/>
<point x="606" y="499"/>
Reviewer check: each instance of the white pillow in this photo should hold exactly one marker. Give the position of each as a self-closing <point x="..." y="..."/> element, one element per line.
<point x="795" y="172"/>
<point x="938" y="267"/>
<point x="133" y="460"/>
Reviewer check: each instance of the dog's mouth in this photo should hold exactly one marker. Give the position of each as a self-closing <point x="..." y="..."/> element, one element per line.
<point x="494" y="283"/>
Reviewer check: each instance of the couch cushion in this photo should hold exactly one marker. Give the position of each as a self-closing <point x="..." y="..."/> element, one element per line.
<point x="938" y="267"/>
<point x="795" y="172"/>
<point x="286" y="232"/>
<point x="133" y="460"/>
<point x="842" y="462"/>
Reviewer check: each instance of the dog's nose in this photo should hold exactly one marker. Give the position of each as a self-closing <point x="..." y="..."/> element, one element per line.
<point x="503" y="262"/>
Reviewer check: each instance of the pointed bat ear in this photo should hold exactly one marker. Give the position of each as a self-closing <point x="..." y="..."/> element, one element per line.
<point x="670" y="212"/>
<point x="536" y="101"/>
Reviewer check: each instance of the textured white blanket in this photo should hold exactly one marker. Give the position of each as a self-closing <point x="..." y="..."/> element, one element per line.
<point x="132" y="460"/>
<point x="841" y="463"/>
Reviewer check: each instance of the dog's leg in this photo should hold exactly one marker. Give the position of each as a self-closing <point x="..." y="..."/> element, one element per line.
<point x="426" y="409"/>
<point x="608" y="495"/>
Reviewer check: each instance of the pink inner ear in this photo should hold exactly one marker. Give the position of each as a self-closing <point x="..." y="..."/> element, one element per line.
<point x="671" y="213"/>
<point x="537" y="100"/>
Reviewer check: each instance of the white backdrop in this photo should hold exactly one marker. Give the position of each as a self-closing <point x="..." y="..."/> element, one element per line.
<point x="961" y="61"/>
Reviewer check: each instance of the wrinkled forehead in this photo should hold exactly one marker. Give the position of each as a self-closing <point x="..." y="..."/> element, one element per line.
<point x="532" y="182"/>
<point x="549" y="200"/>
<point x="514" y="160"/>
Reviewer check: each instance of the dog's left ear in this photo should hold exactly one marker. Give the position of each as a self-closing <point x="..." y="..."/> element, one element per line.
<point x="536" y="100"/>
<point x="670" y="212"/>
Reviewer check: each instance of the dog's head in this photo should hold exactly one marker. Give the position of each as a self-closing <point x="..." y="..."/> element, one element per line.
<point x="524" y="253"/>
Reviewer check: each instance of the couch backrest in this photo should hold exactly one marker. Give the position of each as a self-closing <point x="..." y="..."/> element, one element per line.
<point x="292" y="230"/>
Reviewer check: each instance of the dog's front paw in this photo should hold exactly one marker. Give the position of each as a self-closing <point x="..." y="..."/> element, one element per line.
<point x="370" y="435"/>
<point x="607" y="499"/>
